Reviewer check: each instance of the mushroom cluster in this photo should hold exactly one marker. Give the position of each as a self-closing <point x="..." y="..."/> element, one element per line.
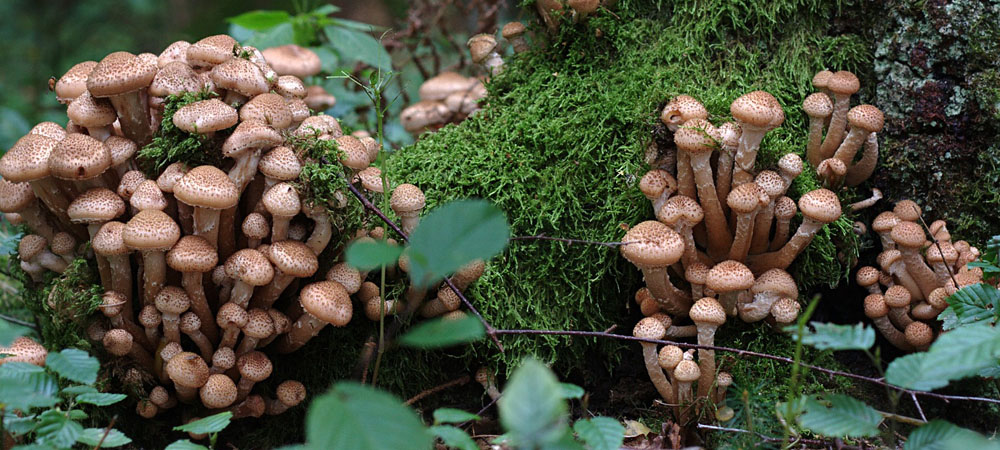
<point x="915" y="276"/>
<point x="723" y="235"/>
<point x="201" y="265"/>
<point x="446" y="98"/>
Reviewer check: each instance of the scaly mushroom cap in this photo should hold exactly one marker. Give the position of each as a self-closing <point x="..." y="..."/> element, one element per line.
<point x="371" y="179"/>
<point x="95" y="206"/>
<point x="785" y="310"/>
<point x="407" y="198"/>
<point x="74" y="81"/>
<point x="293" y="258"/>
<point x="120" y="73"/>
<point x="175" y="78"/>
<point x="318" y="99"/>
<point x="231" y="314"/>
<point x="175" y="52"/>
<point x="831" y="168"/>
<point x="30" y="246"/>
<point x="822" y="79"/>
<point x="190" y="323"/>
<point x="818" y="105"/>
<point x="282" y="200"/>
<point x="759" y="109"/>
<point x="777" y="281"/>
<point x="919" y="334"/>
<point x="250" y="134"/>
<point x="207" y="187"/>
<point x="444" y="84"/>
<point x="907" y="210"/>
<point x="129" y="183"/>
<point x="938" y="298"/>
<point x="654" y="182"/>
<point x="687" y="371"/>
<point x="87" y="111"/>
<point x="908" y="234"/>
<point x="50" y="130"/>
<point x="695" y="137"/>
<point x="170" y="176"/>
<point x="15" y="196"/>
<point x="109" y="240"/>
<point x="821" y="205"/>
<point x="293" y="60"/>
<point x="770" y="183"/>
<point x="224" y="358"/>
<point x="347" y="276"/>
<point x="63" y="243"/>
<point x="172" y="300"/>
<point x="250" y="266"/>
<point x="866" y="117"/>
<point x="746" y="198"/>
<point x="670" y="356"/>
<point x="192" y="254"/>
<point x="729" y="276"/>
<point x="25" y="350"/>
<point x="681" y="109"/>
<point x="680" y="207"/>
<point x="118" y="342"/>
<point x="512" y="30"/>
<point x="188" y="370"/>
<point x="942" y="252"/>
<point x="784" y="208"/>
<point x="707" y="310"/>
<point x="291" y="393"/>
<point x="79" y="157"/>
<point x="151" y="230"/>
<point x="844" y="83"/>
<point x="281" y="164"/>
<point x="290" y="86"/>
<point x="649" y="328"/>
<point x="327" y="301"/>
<point x="122" y="149"/>
<point x="259" y="324"/>
<point x="696" y="273"/>
<point x="255" y="226"/>
<point x="148" y="196"/>
<point x="480" y="46"/>
<point x="897" y="297"/>
<point x="355" y="153"/>
<point x="205" y="116"/>
<point x="885" y="221"/>
<point x="149" y="317"/>
<point x="652" y="244"/>
<point x="28" y="159"/>
<point x="268" y="108"/>
<point x="319" y="125"/>
<point x="254" y="366"/>
<point x="469" y="273"/>
<point x="240" y="75"/>
<point x="211" y="51"/>
<point x="790" y="165"/>
<point x="219" y="391"/>
<point x="867" y="276"/>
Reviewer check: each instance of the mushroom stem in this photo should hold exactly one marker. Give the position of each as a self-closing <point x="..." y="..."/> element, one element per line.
<point x="322" y="231"/>
<point x="685" y="176"/>
<point x="724" y="175"/>
<point x="206" y="225"/>
<point x="815" y="139"/>
<point x="863" y="169"/>
<point x="673" y="300"/>
<point x="744" y="231"/>
<point x="684" y="331"/>
<point x="746" y="154"/>
<point x="266" y="297"/>
<point x="868" y="202"/>
<point x="154" y="274"/>
<point x="192" y="284"/>
<point x="121" y="279"/>
<point x="782" y="258"/>
<point x="922" y="275"/>
<point x="33" y="215"/>
<point x="302" y="331"/>
<point x="133" y="115"/>
<point x="838" y="123"/>
<point x="706" y="359"/>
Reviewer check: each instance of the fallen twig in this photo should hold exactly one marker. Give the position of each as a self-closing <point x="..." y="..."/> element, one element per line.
<point x="434" y="390"/>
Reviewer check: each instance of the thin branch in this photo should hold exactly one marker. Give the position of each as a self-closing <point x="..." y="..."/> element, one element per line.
<point x="17" y="321"/>
<point x="938" y="245"/>
<point x="766" y="438"/>
<point x="481" y="411"/>
<point x="919" y="408"/>
<point x="107" y="431"/>
<point x="542" y="237"/>
<point x="434" y="390"/>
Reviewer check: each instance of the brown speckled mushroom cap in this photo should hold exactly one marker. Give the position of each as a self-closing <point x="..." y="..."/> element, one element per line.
<point x="897" y="297"/>
<point x="231" y="314"/>
<point x="822" y="79"/>
<point x="681" y="109"/>
<point x="355" y="155"/>
<point x="15" y="196"/>
<point x="866" y="276"/>
<point x="790" y="165"/>
<point x="148" y="196"/>
<point x="211" y="51"/>
<point x="785" y="208"/>
<point x="293" y="258"/>
<point x="207" y="187"/>
<point x="875" y="306"/>
<point x="649" y="328"/>
<point x="249" y="266"/>
<point x="119" y="73"/>
<point x="919" y="334"/>
<point x="652" y="244"/>
<point x="654" y="182"/>
<point x="63" y="243"/>
<point x="25" y="350"/>
<point x="695" y="137"/>
<point x="707" y="310"/>
<point x="28" y="159"/>
<point x="746" y="198"/>
<point x="821" y="205"/>
<point x="371" y="179"/>
<point x="294" y="60"/>
<point x="188" y="370"/>
<point x="678" y="208"/>
<point x="192" y="254"/>
<point x="224" y="358"/>
<point x="777" y="281"/>
<point x="290" y="86"/>
<point x="175" y="52"/>
<point x="79" y="157"/>
<point x="219" y="391"/>
<point x="669" y="356"/>
<point x="149" y="317"/>
<point x="282" y="200"/>
<point x="170" y="176"/>
<point x="255" y="226"/>
<point x="406" y="198"/>
<point x="50" y="130"/>
<point x="866" y="117"/>
<point x="770" y="183"/>
<point x="817" y="105"/>
<point x="122" y="149"/>
<point x="327" y="301"/>
<point x="687" y="371"/>
<point x="319" y="125"/>
<point x="318" y="99"/>
<point x="259" y="324"/>
<point x="129" y="183"/>
<point x="291" y="392"/>
<point x="696" y="273"/>
<point x="938" y="298"/>
<point x="729" y="276"/>
<point x="785" y="310"/>
<point x="95" y="206"/>
<point x="942" y="252"/>
<point x="175" y="78"/>
<point x="118" y="342"/>
<point x="885" y="221"/>
<point x="444" y="84"/>
<point x="844" y="83"/>
<point x="240" y="75"/>
<point x="74" y="81"/>
<point x="250" y="134"/>
<point x="172" y="300"/>
<point x="908" y="234"/>
<point x="513" y="29"/>
<point x="907" y="210"/>
<point x="254" y="366"/>
<point x="267" y="108"/>
<point x="469" y="272"/>
<point x="205" y="116"/>
<point x="758" y="108"/>
<point x="347" y="276"/>
<point x="151" y="230"/>
<point x="109" y="240"/>
<point x="87" y="111"/>
<point x="480" y="46"/>
<point x="31" y="245"/>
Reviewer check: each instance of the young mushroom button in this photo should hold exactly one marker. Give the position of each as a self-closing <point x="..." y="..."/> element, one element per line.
<point x="707" y="315"/>
<point x="406" y="201"/>
<point x="249" y="268"/>
<point x="189" y="373"/>
<point x="152" y="232"/>
<point x="651" y="328"/>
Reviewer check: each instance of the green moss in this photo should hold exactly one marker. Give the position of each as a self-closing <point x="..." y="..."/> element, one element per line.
<point x="62" y="303"/>
<point x="171" y="144"/>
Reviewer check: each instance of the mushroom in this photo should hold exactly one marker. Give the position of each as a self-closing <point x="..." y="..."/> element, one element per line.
<point x="254" y="368"/>
<point x="172" y="302"/>
<point x="745" y="201"/>
<point x="290" y="87"/>
<point x="64" y="245"/>
<point x="867" y="277"/>
<point x="33" y="248"/>
<point x="864" y="120"/>
<point x="318" y="99"/>
<point x="784" y="211"/>
<point x="831" y="171"/>
<point x="785" y="311"/>
<point x="897" y="298"/>
<point x="82" y="160"/>
<point x="146" y="409"/>
<point x="150" y="319"/>
<point x="94" y="114"/>
<point x="294" y="60"/>
<point x="259" y="326"/>
<point x="73" y="83"/>
<point x="253" y="406"/>
<point x="941" y="256"/>
<point x="406" y="201"/>
<point x="757" y="113"/>
<point x="324" y="302"/>
<point x="282" y="202"/>
<point x="231" y="318"/>
<point x="255" y="228"/>
<point x="123" y="78"/>
<point x="289" y="394"/>
<point x="883" y="224"/>
<point x="175" y="52"/>
<point x="219" y="391"/>
<point x="486" y="378"/>
<point x="682" y="213"/>
<point x="279" y="164"/>
<point x="240" y="78"/>
<point x="819" y="208"/>
<point x="148" y="196"/>
<point x="877" y="310"/>
<point x="151" y="232"/>
<point x="694" y="139"/>
<point x="513" y="32"/>
<point x="269" y="109"/>
<point x="291" y="259"/>
<point x="249" y="268"/>
<point x="728" y="135"/>
<point x="322" y="229"/>
<point x="119" y="342"/>
<point x="773" y="187"/>
<point x="862" y="204"/>
<point x="686" y="372"/>
<point x="189" y="373"/>
<point x="697" y="275"/>
<point x="483" y="48"/>
<point x="707" y="315"/>
<point x="657" y="185"/>
<point x="160" y="397"/>
<point x="205" y="117"/>
<point x="729" y="279"/>
<point x="819" y="108"/>
<point x="113" y="306"/>
<point x="28" y="161"/>
<point x="863" y="169"/>
<point x="909" y="237"/>
<point x="193" y="256"/>
<point x="652" y="247"/>
<point x="919" y="335"/>
<point x="842" y="84"/>
<point x="446" y="301"/>
<point x="767" y="289"/>
<point x="17" y="197"/>
<point x="190" y="325"/>
<point x="246" y="142"/>
<point x="668" y="358"/>
<point x="651" y="328"/>
<point x="208" y="190"/>
<point x="25" y="350"/>
<point x="223" y="359"/>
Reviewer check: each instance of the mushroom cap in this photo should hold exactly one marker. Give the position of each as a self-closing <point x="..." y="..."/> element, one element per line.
<point x="190" y="323"/>
<point x="30" y="246"/>
<point x="746" y="198"/>
<point x="327" y="301"/>
<point x="250" y="134"/>
<point x="15" y="196"/>
<point x="885" y="221"/>
<point x="776" y="281"/>
<point x="687" y="371"/>
<point x="224" y="358"/>
<point x="758" y="109"/>
<point x="50" y="130"/>
<point x="282" y="200"/>
<point x="821" y="205"/>
<point x="919" y="334"/>
<point x="695" y="136"/>
<point x="818" y="105"/>
<point x="843" y="83"/>
<point x="897" y="297"/>
<point x="729" y="135"/>
<point x="168" y="179"/>
<point x="259" y="324"/>
<point x="469" y="272"/>
<point x="299" y="109"/>
<point x="188" y="370"/>
<point x="175" y="52"/>
<point x="291" y="392"/>
<point x="866" y="117"/>
<point x="770" y="183"/>
<point x="790" y="165"/>
<point x="119" y="73"/>
<point x="87" y="111"/>
<point x="63" y="243"/>
<point x="109" y="240"/>
<point x="150" y="317"/>
<point x="355" y="154"/>
<point x="281" y="164"/>
<point x="95" y="206"/>
<point x="172" y="300"/>
<point x="784" y="208"/>
<point x="148" y="196"/>
<point x="942" y="252"/>
<point x="318" y="99"/>
<point x="240" y="75"/>
<point x="192" y="254"/>
<point x="785" y="310"/>
<point x="25" y="350"/>
<point x="267" y="108"/>
<point x="423" y="114"/>
<point x="654" y="182"/>
<point x="681" y="208"/>
<point x="319" y="125"/>
<point x="649" y="328"/>
<point x="122" y="149"/>
<point x="669" y="356"/>
<point x="207" y="187"/>
<point x="151" y="230"/>
<point x="652" y="244"/>
<point x="831" y="168"/>
<point x="908" y="234"/>
<point x="249" y="266"/>
<point x="822" y="79"/>
<point x="729" y="276"/>
<point x="230" y="314"/>
<point x="219" y="391"/>
<point x="867" y="276"/>
<point x="129" y="183"/>
<point x="480" y="46"/>
<point x="681" y="109"/>
<point x="255" y="226"/>
<point x="347" y="276"/>
<point x="367" y="291"/>
<point x="282" y="324"/>
<point x="118" y="342"/>
<point x="205" y="116"/>
<point x="371" y="179"/>
<point x="79" y="157"/>
<point x="696" y="273"/>
<point x="707" y="310"/>
<point x="907" y="210"/>
<point x="888" y="257"/>
<point x="442" y="85"/>
<point x="211" y="51"/>
<point x="254" y="366"/>
<point x="159" y="396"/>
<point x="290" y="86"/>
<point x="407" y="198"/>
<point x="293" y="258"/>
<point x="938" y="298"/>
<point x="294" y="60"/>
<point x="512" y="30"/>
<point x="74" y="81"/>
<point x="175" y="78"/>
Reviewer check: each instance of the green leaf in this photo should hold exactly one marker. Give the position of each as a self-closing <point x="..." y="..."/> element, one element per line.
<point x="91" y="436"/>
<point x="452" y="415"/>
<point x="24" y="386"/>
<point x="211" y="424"/>
<point x="10" y="331"/>
<point x="976" y="303"/>
<point x="358" y="46"/>
<point x="33" y="446"/>
<point x="260" y="20"/>
<point x="100" y="398"/>
<point x="78" y="389"/>
<point x="442" y="332"/>
<point x="19" y="425"/>
<point x="74" y="365"/>
<point x="600" y="433"/>
<point x="957" y="354"/>
<point x="948" y="318"/>
<point x="829" y="336"/>
<point x="185" y="444"/>
<point x="282" y="34"/>
<point x="570" y="391"/>
<point x="454" y="235"/>
<point x="370" y="255"/>
<point x="57" y="430"/>
<point x="454" y="437"/>
<point x="531" y="409"/>
<point x="837" y="415"/>
<point x="940" y="435"/>
<point x="362" y="418"/>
